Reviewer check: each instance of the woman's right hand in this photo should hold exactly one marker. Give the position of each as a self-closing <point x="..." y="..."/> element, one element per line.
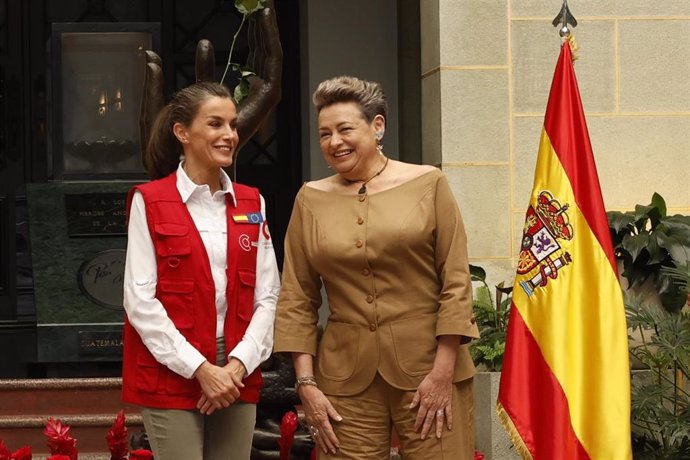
<point x="318" y="412"/>
<point x="219" y="385"/>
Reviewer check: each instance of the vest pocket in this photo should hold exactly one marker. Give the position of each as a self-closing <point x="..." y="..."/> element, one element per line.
<point x="147" y="373"/>
<point x="154" y="377"/>
<point x="177" y="298"/>
<point x="245" y="307"/>
<point x="173" y="383"/>
<point x="174" y="240"/>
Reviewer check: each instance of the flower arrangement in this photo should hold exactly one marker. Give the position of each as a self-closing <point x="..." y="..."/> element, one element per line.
<point x="63" y="446"/>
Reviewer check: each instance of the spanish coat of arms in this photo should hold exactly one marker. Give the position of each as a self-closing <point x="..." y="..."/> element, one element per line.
<point x="541" y="255"/>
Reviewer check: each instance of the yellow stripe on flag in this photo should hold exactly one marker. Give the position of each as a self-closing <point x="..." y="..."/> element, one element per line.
<point x="565" y="317"/>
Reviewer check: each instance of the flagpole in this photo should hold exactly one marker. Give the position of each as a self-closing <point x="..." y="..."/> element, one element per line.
<point x="565" y="383"/>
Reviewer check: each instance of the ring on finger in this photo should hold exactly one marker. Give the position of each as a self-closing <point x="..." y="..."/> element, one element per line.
<point x="313" y="431"/>
<point x="439" y="413"/>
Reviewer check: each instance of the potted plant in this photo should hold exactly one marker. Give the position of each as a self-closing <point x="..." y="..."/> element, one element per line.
<point x="660" y="405"/>
<point x="491" y="313"/>
<point x="654" y="248"/>
<point x="646" y="241"/>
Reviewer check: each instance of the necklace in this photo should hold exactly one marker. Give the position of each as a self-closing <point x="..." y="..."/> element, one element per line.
<point x="363" y="188"/>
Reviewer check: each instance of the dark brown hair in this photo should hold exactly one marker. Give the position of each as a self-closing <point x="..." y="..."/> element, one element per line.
<point x="164" y="150"/>
<point x="368" y="95"/>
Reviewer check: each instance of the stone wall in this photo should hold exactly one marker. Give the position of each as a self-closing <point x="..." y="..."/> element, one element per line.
<point x="486" y="72"/>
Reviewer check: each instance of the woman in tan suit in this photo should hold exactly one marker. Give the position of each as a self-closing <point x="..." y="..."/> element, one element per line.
<point x="387" y="241"/>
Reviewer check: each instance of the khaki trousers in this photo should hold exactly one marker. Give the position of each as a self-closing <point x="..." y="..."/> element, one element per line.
<point x="188" y="435"/>
<point x="369" y="417"/>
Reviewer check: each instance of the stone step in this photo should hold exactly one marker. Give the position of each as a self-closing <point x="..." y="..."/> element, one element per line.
<point x="62" y="396"/>
<point x="88" y="406"/>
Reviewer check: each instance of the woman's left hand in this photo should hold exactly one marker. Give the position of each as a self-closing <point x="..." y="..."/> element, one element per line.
<point x="433" y="396"/>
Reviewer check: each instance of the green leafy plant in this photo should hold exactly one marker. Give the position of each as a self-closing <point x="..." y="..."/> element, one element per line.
<point x="247" y="8"/>
<point x="647" y="240"/>
<point x="660" y="406"/>
<point x="491" y="314"/>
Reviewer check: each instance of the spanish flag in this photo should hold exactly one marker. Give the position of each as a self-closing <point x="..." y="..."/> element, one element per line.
<point x="565" y="385"/>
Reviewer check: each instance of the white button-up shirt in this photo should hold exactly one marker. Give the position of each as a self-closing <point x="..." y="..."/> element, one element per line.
<point x="147" y="315"/>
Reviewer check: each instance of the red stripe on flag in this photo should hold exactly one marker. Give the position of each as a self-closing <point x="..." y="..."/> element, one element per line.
<point x="534" y="399"/>
<point x="566" y="127"/>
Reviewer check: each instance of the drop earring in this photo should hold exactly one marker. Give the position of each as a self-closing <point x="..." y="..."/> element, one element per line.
<point x="379" y="143"/>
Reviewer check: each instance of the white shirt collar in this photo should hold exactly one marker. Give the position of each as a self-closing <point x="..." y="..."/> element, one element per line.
<point x="187" y="187"/>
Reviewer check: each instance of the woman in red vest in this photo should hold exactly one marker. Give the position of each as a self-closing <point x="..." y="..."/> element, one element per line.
<point x="201" y="284"/>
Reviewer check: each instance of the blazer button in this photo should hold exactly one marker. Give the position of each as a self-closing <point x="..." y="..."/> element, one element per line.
<point x="370" y="298"/>
<point x="472" y="320"/>
<point x="372" y="327"/>
<point x="359" y="243"/>
<point x="366" y="272"/>
<point x="360" y="221"/>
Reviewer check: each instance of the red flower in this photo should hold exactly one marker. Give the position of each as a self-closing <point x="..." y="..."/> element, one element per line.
<point x="4" y="451"/>
<point x="288" y="426"/>
<point x="117" y="438"/>
<point x="59" y="440"/>
<point x="58" y="457"/>
<point x="140" y="454"/>
<point x="23" y="453"/>
<point x="478" y="455"/>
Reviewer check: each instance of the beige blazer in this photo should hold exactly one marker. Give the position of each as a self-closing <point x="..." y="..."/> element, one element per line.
<point x="394" y="266"/>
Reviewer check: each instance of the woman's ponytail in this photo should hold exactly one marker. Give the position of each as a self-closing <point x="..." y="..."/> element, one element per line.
<point x="164" y="150"/>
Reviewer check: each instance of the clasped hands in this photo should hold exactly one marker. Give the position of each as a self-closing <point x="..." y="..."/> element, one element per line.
<point x="220" y="386"/>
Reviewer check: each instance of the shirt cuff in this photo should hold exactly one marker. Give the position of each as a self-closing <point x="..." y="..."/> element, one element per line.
<point x="189" y="359"/>
<point x="247" y="353"/>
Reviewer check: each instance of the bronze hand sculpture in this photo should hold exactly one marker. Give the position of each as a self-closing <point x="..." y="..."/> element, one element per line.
<point x="265" y="59"/>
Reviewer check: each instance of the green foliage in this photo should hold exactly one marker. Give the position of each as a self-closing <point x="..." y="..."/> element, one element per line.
<point x="660" y="405"/>
<point x="647" y="241"/>
<point x="247" y="8"/>
<point x="491" y="315"/>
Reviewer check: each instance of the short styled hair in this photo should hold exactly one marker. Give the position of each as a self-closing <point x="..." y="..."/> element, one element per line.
<point x="368" y="95"/>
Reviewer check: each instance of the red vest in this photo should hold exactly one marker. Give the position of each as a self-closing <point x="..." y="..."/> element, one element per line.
<point x="185" y="288"/>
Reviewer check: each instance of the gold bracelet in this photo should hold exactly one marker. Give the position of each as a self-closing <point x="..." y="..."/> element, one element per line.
<point x="307" y="380"/>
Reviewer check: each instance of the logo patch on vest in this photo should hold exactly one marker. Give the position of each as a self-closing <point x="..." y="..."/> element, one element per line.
<point x="250" y="218"/>
<point x="246" y="243"/>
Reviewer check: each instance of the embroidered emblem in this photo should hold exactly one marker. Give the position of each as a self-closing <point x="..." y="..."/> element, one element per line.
<point x="541" y="255"/>
<point x="264" y="230"/>
<point x="250" y="218"/>
<point x="245" y="242"/>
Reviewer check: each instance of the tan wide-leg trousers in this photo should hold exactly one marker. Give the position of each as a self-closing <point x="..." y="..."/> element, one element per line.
<point x="188" y="435"/>
<point x="368" y="418"/>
